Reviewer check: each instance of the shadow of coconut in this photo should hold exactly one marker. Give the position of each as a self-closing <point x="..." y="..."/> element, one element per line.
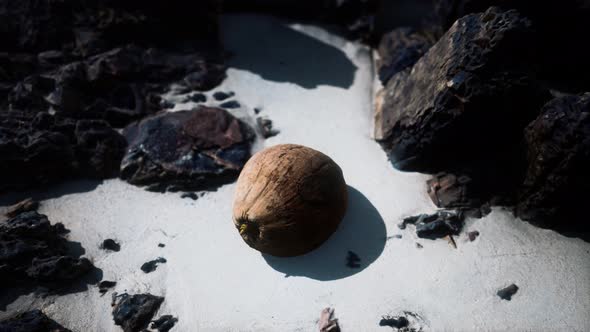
<point x="361" y="232"/>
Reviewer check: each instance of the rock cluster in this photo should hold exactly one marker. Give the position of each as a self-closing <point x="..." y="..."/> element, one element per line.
<point x="479" y="107"/>
<point x="71" y="70"/>
<point x="34" y="252"/>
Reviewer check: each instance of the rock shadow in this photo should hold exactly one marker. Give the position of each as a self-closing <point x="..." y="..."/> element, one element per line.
<point x="362" y="233"/>
<point x="267" y="46"/>
<point x="50" y="191"/>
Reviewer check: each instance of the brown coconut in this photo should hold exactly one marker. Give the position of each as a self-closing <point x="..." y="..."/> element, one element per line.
<point x="289" y="200"/>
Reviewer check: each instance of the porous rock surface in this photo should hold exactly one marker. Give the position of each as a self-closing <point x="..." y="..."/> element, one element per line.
<point x="474" y="82"/>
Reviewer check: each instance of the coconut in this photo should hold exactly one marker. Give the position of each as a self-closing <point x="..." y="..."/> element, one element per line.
<point x="289" y="199"/>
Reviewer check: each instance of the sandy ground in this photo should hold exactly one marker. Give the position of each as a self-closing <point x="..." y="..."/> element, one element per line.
<point x="315" y="87"/>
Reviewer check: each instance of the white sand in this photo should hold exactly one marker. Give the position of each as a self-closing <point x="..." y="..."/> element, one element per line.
<point x="215" y="282"/>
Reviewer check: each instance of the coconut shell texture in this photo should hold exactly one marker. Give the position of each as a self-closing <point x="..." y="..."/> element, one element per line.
<point x="289" y="200"/>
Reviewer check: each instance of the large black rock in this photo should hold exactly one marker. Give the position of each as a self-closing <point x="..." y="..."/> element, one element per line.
<point x="557" y="185"/>
<point x="186" y="150"/>
<point x="134" y="312"/>
<point x="31" y="321"/>
<point x="32" y="251"/>
<point x="560" y="29"/>
<point x="469" y="96"/>
<point x="42" y="149"/>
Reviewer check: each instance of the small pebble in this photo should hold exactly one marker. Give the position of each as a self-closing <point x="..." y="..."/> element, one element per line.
<point x="151" y="266"/>
<point x="164" y="323"/>
<point x="191" y="195"/>
<point x="104" y="285"/>
<point x="198" y="98"/>
<point x="473" y="235"/>
<point x="395" y="322"/>
<point x="161" y="245"/>
<point x="419" y="246"/>
<point x="230" y="104"/>
<point x="257" y="110"/>
<point x="219" y="95"/>
<point x="353" y="260"/>
<point x="110" y="244"/>
<point x="506" y="293"/>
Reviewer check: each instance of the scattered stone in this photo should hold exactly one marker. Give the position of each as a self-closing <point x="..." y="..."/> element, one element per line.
<point x="257" y="110"/>
<point x="219" y="95"/>
<point x="161" y="245"/>
<point x="328" y="322"/>
<point x="397" y="322"/>
<point x="556" y="187"/>
<point x="31" y="321"/>
<point x="42" y="149"/>
<point x="400" y="49"/>
<point x="186" y="150"/>
<point x="105" y="285"/>
<point x="198" y="98"/>
<point x="472" y="235"/>
<point x="192" y="195"/>
<point x="164" y="323"/>
<point x="265" y="126"/>
<point x="407" y="322"/>
<point x="134" y="312"/>
<point x="353" y="261"/>
<point x="506" y="293"/>
<point x="151" y="266"/>
<point x="437" y="225"/>
<point x="23" y="206"/>
<point x="461" y="86"/>
<point x="419" y="246"/>
<point x="110" y="244"/>
<point x="230" y="104"/>
<point x="32" y="251"/>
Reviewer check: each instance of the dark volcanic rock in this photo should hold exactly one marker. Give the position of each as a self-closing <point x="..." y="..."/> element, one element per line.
<point x="407" y="322"/>
<point x="31" y="321"/>
<point x="134" y="312"/>
<point x="105" y="60"/>
<point x="164" y="323"/>
<point x="437" y="225"/>
<point x="110" y="244"/>
<point x="395" y="322"/>
<point x="353" y="261"/>
<point x="557" y="184"/>
<point x="401" y="49"/>
<point x="473" y="84"/>
<point x="198" y="98"/>
<point x="220" y="95"/>
<point x="559" y="29"/>
<point x="472" y="235"/>
<point x="33" y="251"/>
<point x="105" y="285"/>
<point x="42" y="149"/>
<point x="151" y="266"/>
<point x="186" y="150"/>
<point x="230" y="104"/>
<point x="506" y="293"/>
